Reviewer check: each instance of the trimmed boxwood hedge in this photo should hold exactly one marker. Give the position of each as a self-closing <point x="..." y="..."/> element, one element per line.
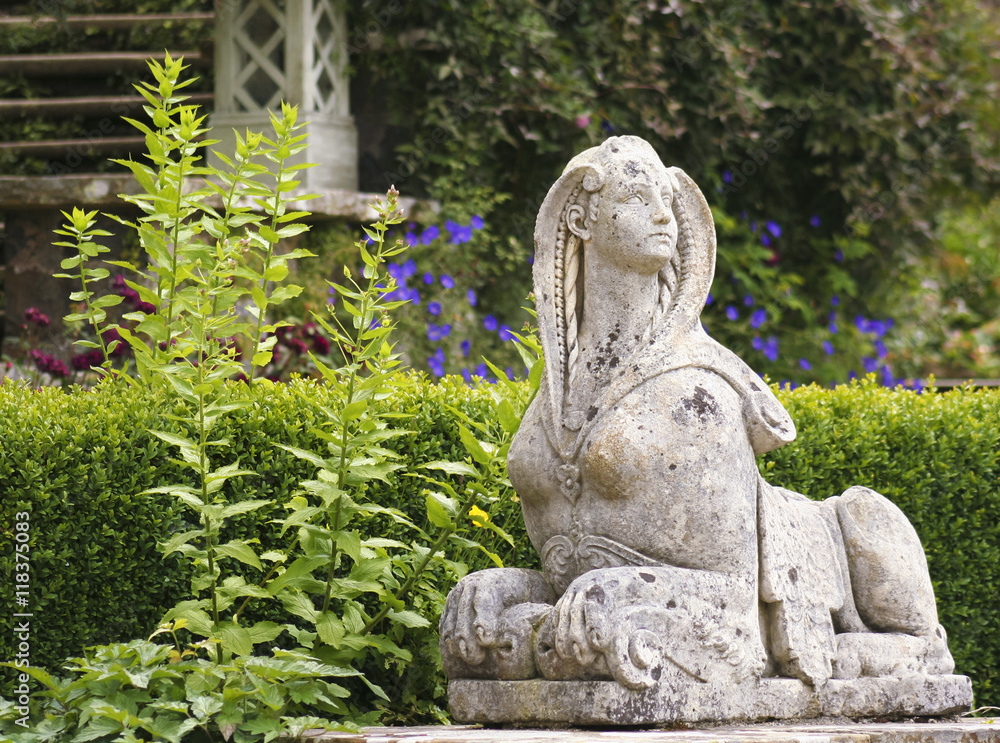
<point x="77" y="460"/>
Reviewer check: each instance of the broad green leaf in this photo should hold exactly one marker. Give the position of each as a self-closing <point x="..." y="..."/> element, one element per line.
<point x="452" y="468"/>
<point x="330" y="629"/>
<point x="246" y="506"/>
<point x="240" y="551"/>
<point x="236" y="639"/>
<point x="473" y="445"/>
<point x="408" y="619"/>
<point x="302" y="567"/>
<point x="441" y="510"/>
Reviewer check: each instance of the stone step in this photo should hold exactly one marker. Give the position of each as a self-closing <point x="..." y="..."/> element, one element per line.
<point x="85" y="106"/>
<point x="106" y="20"/>
<point x="87" y="63"/>
<point x="85" y="147"/>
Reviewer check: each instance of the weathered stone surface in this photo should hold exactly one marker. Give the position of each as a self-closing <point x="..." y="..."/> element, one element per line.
<point x="677" y="583"/>
<point x="538" y="701"/>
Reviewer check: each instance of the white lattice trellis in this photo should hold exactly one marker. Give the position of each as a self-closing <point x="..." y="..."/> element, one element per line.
<point x="269" y="51"/>
<point x="259" y="38"/>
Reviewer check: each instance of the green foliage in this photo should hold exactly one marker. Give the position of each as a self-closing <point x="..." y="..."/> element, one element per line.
<point x="953" y="295"/>
<point x="90" y="522"/>
<point x="145" y="691"/>
<point x="350" y="598"/>
<point x="779" y="111"/>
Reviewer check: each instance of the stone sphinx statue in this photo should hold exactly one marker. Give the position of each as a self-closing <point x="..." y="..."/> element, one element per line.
<point x="677" y="583"/>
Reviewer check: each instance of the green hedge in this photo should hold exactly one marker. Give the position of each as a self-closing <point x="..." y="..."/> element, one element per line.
<point x="76" y="461"/>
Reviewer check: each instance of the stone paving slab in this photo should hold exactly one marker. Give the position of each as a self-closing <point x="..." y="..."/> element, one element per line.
<point x="964" y="730"/>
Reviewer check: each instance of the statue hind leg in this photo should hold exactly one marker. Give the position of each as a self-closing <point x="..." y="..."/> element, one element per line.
<point x="892" y="592"/>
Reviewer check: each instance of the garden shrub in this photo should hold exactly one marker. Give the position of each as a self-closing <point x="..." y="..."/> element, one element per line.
<point x="76" y="460"/>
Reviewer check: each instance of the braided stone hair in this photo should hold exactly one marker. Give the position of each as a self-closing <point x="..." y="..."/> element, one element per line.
<point x="568" y="256"/>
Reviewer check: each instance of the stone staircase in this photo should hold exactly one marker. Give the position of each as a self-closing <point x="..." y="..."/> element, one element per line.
<point x="86" y="92"/>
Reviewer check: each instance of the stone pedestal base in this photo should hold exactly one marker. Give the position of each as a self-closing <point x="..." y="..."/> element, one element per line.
<point x="607" y="703"/>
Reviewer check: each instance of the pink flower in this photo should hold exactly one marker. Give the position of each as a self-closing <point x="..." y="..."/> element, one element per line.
<point x="582" y="122"/>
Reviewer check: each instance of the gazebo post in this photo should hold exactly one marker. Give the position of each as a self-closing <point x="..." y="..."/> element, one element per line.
<point x="269" y="51"/>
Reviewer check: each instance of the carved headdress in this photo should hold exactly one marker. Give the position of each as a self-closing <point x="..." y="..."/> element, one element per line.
<point x="675" y="338"/>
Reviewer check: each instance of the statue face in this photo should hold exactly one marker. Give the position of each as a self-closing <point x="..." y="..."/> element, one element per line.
<point x="635" y="226"/>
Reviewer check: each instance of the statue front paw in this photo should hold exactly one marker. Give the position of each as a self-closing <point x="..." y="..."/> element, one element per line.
<point x="487" y="628"/>
<point x="593" y="634"/>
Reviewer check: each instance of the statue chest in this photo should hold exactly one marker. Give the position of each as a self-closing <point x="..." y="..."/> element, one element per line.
<point x="667" y="472"/>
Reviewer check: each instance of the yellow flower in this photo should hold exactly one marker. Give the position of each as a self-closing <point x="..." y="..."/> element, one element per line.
<point x="479" y="516"/>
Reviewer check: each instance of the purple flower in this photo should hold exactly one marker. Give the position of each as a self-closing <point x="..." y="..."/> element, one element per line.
<point x="771" y="348"/>
<point x="838" y="255"/>
<point x="434" y="308"/>
<point x="409" y="268"/>
<point x="774" y="228"/>
<point x="607" y="127"/>
<point x="732" y="313"/>
<point x="748" y="300"/>
<point x="765" y="240"/>
<point x="757" y="343"/>
<point x="396" y="271"/>
<point x="753" y="226"/>
<point x="828" y="348"/>
<point x="471" y="296"/>
<point x="447" y="281"/>
<point x="466" y="375"/>
<point x="888" y="378"/>
<point x="436" y="333"/>
<point x="428" y="278"/>
<point x="709" y="299"/>
<point x="804" y="363"/>
<point x="411" y="238"/>
<point x="814" y="220"/>
<point x="39" y="318"/>
<point x="482" y="371"/>
<point x="459" y="234"/>
<point x="476" y="222"/>
<point x="880" y="349"/>
<point x="466" y="346"/>
<point x="439" y="355"/>
<point x="437" y="369"/>
<point x="510" y="373"/>
<point x="870" y="363"/>
<point x="758" y="318"/>
<point x="727" y="176"/>
<point x="505" y="334"/>
<point x="490" y="323"/>
<point x="430" y="235"/>
<point x="832" y="327"/>
<point x="834" y="300"/>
